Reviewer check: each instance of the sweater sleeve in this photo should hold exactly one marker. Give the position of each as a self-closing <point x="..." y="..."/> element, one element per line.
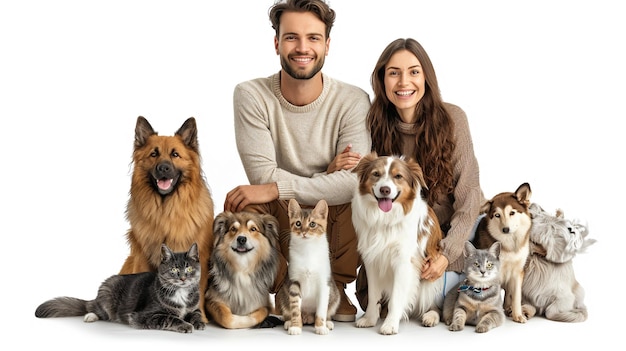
<point x="468" y="196"/>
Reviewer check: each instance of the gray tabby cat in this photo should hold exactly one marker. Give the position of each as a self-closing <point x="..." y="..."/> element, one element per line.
<point x="478" y="299"/>
<point x="310" y="295"/>
<point x="166" y="300"/>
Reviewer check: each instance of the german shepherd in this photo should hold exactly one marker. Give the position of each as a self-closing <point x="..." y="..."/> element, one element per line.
<point x="507" y="220"/>
<point x="170" y="202"/>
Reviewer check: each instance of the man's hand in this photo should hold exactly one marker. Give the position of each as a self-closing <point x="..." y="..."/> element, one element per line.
<point x="244" y="195"/>
<point x="345" y="160"/>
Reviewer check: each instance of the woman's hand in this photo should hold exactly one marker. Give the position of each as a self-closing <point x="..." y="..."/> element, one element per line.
<point x="434" y="267"/>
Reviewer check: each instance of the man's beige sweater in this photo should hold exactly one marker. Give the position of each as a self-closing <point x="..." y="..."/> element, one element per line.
<point x="293" y="145"/>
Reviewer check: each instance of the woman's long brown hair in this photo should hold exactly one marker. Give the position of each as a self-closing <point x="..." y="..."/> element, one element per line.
<point x="435" y="137"/>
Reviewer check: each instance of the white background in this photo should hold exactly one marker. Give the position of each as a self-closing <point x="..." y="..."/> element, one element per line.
<point x="540" y="82"/>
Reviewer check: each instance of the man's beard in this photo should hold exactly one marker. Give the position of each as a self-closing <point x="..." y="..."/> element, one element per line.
<point x="295" y="74"/>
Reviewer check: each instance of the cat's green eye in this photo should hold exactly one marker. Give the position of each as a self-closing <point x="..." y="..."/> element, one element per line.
<point x="489" y="265"/>
<point x="175" y="270"/>
<point x="476" y="264"/>
<point x="312" y="225"/>
<point x="298" y="224"/>
<point x="188" y="269"/>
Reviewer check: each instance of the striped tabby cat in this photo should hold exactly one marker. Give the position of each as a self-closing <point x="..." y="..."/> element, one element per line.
<point x="165" y="300"/>
<point x="310" y="295"/>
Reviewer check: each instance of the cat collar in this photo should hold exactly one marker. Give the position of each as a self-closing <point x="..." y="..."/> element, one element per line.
<point x="474" y="289"/>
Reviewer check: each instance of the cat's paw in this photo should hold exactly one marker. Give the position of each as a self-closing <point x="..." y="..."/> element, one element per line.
<point x="330" y="325"/>
<point x="287" y="325"/>
<point x="199" y="325"/>
<point x="482" y="328"/>
<point x="90" y="317"/>
<point x="322" y="330"/>
<point x="308" y="318"/>
<point x="294" y="331"/>
<point x="184" y="328"/>
<point x="456" y="327"/>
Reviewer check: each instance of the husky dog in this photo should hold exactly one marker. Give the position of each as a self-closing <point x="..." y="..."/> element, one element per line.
<point x="507" y="220"/>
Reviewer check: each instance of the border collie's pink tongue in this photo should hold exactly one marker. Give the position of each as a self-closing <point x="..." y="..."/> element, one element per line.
<point x="384" y="204"/>
<point x="164" y="184"/>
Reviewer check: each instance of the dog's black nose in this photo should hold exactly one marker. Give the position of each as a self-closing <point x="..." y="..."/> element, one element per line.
<point x="164" y="167"/>
<point x="241" y="240"/>
<point x="385" y="190"/>
<point x="505" y="230"/>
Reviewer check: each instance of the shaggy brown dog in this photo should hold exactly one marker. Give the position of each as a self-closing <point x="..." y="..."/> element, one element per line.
<point x="243" y="269"/>
<point x="170" y="202"/>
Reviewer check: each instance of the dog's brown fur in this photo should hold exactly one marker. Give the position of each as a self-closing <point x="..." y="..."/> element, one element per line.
<point x="178" y="216"/>
<point x="508" y="221"/>
<point x="243" y="269"/>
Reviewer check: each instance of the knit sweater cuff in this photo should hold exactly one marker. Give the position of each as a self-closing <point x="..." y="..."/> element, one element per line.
<point x="285" y="190"/>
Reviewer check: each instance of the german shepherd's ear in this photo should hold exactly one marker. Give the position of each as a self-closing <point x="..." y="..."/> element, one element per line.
<point x="143" y="130"/>
<point x="270" y="229"/>
<point x="189" y="133"/>
<point x="221" y="225"/>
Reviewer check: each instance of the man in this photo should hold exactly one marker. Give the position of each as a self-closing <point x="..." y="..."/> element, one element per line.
<point x="299" y="133"/>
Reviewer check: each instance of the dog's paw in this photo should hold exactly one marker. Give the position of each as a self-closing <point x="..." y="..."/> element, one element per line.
<point x="270" y="322"/>
<point x="365" y="322"/>
<point x="389" y="328"/>
<point x="294" y="331"/>
<point x="519" y="318"/>
<point x="430" y="319"/>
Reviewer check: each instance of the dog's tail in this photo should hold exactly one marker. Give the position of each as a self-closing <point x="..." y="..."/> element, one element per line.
<point x="62" y="307"/>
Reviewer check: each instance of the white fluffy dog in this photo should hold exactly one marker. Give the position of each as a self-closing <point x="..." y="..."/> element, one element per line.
<point x="550" y="287"/>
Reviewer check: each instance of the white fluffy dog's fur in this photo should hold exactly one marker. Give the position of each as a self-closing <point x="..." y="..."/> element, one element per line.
<point x="550" y="287"/>
<point x="396" y="230"/>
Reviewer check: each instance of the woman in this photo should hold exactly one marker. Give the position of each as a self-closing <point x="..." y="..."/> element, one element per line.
<point x="408" y="117"/>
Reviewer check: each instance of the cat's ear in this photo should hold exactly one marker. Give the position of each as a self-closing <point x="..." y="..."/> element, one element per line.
<point x="193" y="252"/>
<point x="294" y="208"/>
<point x="321" y="208"/>
<point x="494" y="249"/>
<point x="166" y="253"/>
<point x="469" y="249"/>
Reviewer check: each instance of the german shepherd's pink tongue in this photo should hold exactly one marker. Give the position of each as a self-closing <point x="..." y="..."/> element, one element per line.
<point x="385" y="204"/>
<point x="164" y="184"/>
